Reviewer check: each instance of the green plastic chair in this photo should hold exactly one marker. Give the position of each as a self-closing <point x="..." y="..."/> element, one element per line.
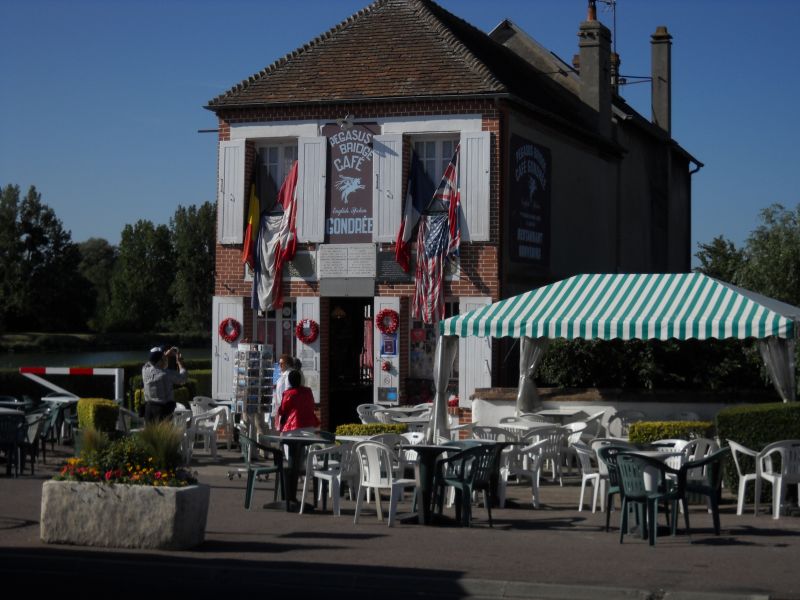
<point x="708" y="483"/>
<point x="254" y="469"/>
<point x="471" y="470"/>
<point x="631" y="468"/>
<point x="607" y="457"/>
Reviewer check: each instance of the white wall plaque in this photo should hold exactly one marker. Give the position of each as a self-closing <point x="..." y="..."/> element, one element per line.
<point x="346" y="260"/>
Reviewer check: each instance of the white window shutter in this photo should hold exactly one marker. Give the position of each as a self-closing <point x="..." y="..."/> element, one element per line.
<point x="387" y="169"/>
<point x="474" y="183"/>
<point x="230" y="192"/>
<point x="311" y="188"/>
<point x="223" y="353"/>
<point x="391" y="378"/>
<point x="474" y="355"/>
<point x="308" y="308"/>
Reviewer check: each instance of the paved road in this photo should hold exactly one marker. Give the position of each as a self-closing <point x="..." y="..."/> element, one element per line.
<point x="552" y="552"/>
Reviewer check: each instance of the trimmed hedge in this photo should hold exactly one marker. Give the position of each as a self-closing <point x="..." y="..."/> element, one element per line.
<point x="98" y="413"/>
<point x="755" y="426"/>
<point x="645" y="432"/>
<point x="370" y="428"/>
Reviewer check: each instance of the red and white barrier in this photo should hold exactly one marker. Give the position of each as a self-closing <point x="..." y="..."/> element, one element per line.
<point x="34" y="374"/>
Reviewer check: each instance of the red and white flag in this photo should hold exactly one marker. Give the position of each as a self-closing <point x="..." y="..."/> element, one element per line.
<point x="277" y="244"/>
<point x="438" y="239"/>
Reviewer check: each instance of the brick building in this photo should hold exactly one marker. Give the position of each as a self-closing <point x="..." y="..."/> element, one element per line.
<point x="558" y="175"/>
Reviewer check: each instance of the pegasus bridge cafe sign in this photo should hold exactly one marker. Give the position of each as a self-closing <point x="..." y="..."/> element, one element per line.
<point x="529" y="196"/>
<point x="349" y="215"/>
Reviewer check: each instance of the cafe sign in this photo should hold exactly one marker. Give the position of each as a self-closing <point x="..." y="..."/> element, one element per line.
<point x="349" y="206"/>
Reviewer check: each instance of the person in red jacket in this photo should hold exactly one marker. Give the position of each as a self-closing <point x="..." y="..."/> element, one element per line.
<point x="297" y="406"/>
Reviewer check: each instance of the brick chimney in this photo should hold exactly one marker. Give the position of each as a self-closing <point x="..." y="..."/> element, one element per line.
<point x="594" y="41"/>
<point x="661" y="71"/>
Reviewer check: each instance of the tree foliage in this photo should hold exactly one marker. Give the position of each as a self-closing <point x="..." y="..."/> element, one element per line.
<point x="772" y="255"/>
<point x="42" y="288"/>
<point x="97" y="265"/>
<point x="143" y="273"/>
<point x="720" y="259"/>
<point x="193" y="234"/>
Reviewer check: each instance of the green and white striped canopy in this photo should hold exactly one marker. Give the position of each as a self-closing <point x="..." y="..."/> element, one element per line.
<point x="630" y="306"/>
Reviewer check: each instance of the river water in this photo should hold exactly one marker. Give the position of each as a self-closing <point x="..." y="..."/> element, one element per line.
<point x="15" y="360"/>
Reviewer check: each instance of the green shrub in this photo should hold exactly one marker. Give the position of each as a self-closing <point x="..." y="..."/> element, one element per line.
<point x="755" y="426"/>
<point x="370" y="428"/>
<point x="203" y="379"/>
<point x="644" y="432"/>
<point x="98" y="413"/>
<point x="163" y="443"/>
<point x="92" y="441"/>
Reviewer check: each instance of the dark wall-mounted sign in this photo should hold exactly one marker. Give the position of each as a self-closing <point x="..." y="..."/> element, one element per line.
<point x="529" y="203"/>
<point x="388" y="271"/>
<point x="349" y="202"/>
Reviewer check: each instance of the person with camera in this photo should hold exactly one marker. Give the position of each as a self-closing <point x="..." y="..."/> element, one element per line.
<point x="158" y="382"/>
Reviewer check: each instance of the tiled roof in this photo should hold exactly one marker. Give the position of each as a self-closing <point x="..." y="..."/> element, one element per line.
<point x="401" y="49"/>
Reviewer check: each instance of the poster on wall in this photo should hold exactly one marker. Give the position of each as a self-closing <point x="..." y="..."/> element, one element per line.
<point x="529" y="201"/>
<point x="349" y="202"/>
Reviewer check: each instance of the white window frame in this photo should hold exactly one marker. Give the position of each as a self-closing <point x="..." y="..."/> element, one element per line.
<point x="440" y="160"/>
<point x="281" y="145"/>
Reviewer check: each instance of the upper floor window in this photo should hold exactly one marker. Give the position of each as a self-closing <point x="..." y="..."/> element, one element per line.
<point x="435" y="153"/>
<point x="276" y="161"/>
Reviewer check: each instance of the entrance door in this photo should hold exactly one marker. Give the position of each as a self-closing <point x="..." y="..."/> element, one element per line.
<point x="350" y="365"/>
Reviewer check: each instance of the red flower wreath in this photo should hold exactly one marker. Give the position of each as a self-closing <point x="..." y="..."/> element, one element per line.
<point x="229" y="330"/>
<point x="380" y="321"/>
<point x="313" y="331"/>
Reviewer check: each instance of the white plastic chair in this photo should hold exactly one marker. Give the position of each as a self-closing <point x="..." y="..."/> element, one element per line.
<point x="574" y="432"/>
<point x="205" y="426"/>
<point x="737" y="450"/>
<point x="343" y="469"/>
<point x="620" y="422"/>
<point x="526" y="462"/>
<point x="789" y="453"/>
<point x="589" y="472"/>
<point x="594" y="426"/>
<point x="366" y="412"/>
<point x="376" y="467"/>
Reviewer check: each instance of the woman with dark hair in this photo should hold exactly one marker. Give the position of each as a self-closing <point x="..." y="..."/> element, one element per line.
<point x="297" y="406"/>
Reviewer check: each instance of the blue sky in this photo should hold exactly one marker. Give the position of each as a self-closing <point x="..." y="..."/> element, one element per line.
<point x="102" y="99"/>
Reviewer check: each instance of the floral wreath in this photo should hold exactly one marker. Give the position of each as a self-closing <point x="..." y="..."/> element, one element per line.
<point x="229" y="330"/>
<point x="391" y="326"/>
<point x="313" y="331"/>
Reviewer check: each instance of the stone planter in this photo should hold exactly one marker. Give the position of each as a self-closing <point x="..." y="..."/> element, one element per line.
<point x="123" y="516"/>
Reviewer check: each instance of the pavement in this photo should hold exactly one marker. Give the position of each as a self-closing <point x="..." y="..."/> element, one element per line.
<point x="554" y="552"/>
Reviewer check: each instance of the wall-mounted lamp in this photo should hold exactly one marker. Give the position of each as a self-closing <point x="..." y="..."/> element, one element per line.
<point x="346" y="123"/>
<point x="338" y="313"/>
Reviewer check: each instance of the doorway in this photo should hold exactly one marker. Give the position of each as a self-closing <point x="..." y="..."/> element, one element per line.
<point x="350" y="362"/>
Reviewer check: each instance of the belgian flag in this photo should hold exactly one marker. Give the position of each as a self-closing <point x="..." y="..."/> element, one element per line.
<point x="253" y="219"/>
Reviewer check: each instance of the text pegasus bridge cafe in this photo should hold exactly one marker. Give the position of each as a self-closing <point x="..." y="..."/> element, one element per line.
<point x="446" y="171"/>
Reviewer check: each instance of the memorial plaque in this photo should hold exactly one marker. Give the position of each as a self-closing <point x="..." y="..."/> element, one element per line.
<point x="346" y="260"/>
<point x="388" y="271"/>
<point x="302" y="266"/>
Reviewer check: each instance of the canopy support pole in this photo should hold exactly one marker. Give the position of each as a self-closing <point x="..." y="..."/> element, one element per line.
<point x="446" y="348"/>
<point x="531" y="351"/>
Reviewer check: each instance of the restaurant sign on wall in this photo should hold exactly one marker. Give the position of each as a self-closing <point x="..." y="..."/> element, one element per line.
<point x="529" y="202"/>
<point x="349" y="205"/>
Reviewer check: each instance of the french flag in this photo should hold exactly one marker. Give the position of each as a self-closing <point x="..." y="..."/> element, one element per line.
<point x="419" y="194"/>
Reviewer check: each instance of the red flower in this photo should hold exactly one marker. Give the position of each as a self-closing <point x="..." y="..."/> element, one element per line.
<point x="109" y="475"/>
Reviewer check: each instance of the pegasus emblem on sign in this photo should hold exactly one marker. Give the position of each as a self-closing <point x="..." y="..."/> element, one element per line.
<point x="348" y="185"/>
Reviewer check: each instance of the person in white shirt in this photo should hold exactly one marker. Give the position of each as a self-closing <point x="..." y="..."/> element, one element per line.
<point x="286" y="364"/>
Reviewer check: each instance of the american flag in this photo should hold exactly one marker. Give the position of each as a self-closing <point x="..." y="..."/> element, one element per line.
<point x="438" y="239"/>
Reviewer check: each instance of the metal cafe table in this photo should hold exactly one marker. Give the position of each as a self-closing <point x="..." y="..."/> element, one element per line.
<point x="296" y="444"/>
